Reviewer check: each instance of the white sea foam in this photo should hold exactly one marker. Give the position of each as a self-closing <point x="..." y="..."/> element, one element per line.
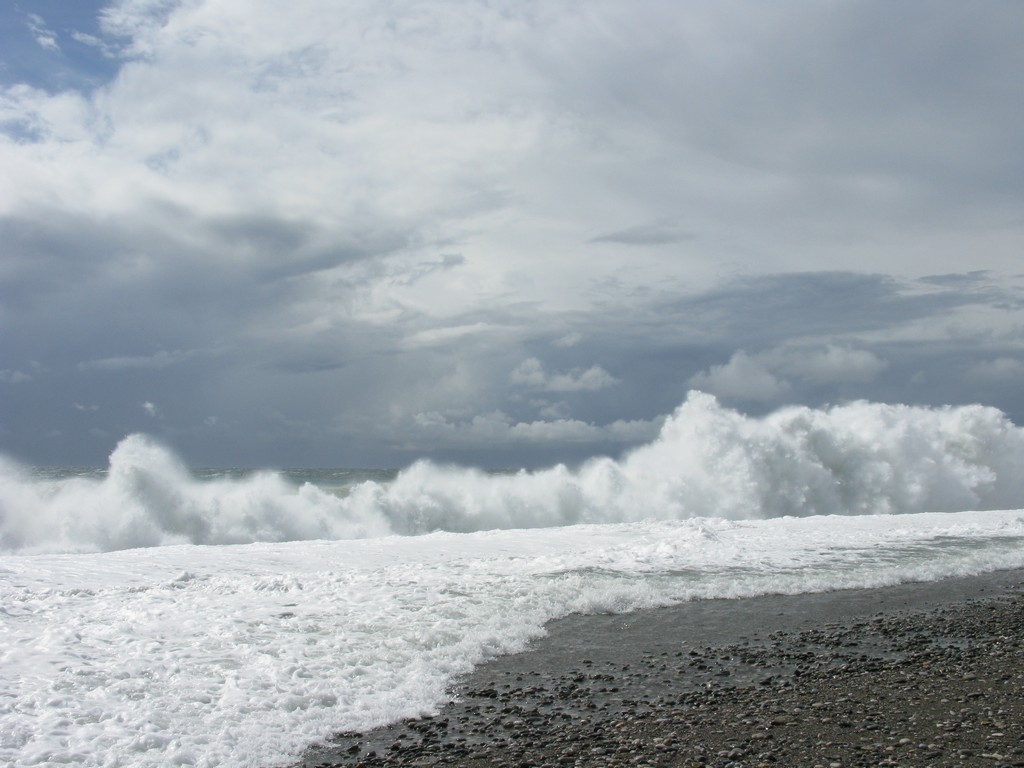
<point x="244" y="655"/>
<point x="126" y="640"/>
<point x="708" y="461"/>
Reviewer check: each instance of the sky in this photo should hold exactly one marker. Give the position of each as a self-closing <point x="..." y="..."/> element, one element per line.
<point x="497" y="232"/>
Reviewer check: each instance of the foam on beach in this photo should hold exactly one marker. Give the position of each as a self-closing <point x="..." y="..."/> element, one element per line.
<point x="244" y="655"/>
<point x="150" y="617"/>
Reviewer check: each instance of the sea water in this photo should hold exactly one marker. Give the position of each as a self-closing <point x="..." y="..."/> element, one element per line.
<point x="151" y="615"/>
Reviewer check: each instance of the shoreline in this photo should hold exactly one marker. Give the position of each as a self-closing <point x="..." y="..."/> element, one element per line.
<point x="920" y="674"/>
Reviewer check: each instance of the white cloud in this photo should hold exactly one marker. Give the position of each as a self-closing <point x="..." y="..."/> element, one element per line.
<point x="771" y="374"/>
<point x="831" y="364"/>
<point x="744" y="377"/>
<point x="658" y="233"/>
<point x="569" y="340"/>
<point x="151" y="409"/>
<point x="1001" y="369"/>
<point x="530" y="373"/>
<point x="552" y="411"/>
<point x="94" y="42"/>
<point x="560" y="430"/>
<point x="161" y="359"/>
<point x="44" y="36"/>
<point x="14" y="377"/>
<point x="498" y="426"/>
<point x="442" y="336"/>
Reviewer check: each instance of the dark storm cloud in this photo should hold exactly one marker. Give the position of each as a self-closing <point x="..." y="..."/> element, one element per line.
<point x="126" y="311"/>
<point x="310" y="365"/>
<point x="767" y="309"/>
<point x="966" y="280"/>
<point x="758" y="311"/>
<point x="155" y="255"/>
<point x="867" y="87"/>
<point x="498" y="232"/>
<point x="109" y="287"/>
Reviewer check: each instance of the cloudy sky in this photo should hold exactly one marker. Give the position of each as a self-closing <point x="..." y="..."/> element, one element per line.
<point x="503" y="232"/>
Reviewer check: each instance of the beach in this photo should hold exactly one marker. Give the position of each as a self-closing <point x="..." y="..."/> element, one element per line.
<point x="921" y="674"/>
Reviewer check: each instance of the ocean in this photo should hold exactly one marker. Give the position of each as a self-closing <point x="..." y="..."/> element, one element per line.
<point x="154" y="615"/>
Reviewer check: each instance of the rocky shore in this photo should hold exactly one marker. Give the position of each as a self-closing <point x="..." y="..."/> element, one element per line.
<point x="919" y="675"/>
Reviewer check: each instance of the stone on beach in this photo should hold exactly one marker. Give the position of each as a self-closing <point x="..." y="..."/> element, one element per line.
<point x="938" y="684"/>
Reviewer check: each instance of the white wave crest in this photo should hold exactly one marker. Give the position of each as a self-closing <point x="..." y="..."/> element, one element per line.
<point x="149" y="498"/>
<point x="708" y="461"/>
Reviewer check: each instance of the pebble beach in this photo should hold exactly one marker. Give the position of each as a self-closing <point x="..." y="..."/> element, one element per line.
<point x="914" y="675"/>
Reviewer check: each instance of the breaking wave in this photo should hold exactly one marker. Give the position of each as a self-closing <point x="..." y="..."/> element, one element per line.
<point x="708" y="461"/>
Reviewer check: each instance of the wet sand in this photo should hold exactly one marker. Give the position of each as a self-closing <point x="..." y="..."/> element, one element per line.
<point x="915" y="675"/>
